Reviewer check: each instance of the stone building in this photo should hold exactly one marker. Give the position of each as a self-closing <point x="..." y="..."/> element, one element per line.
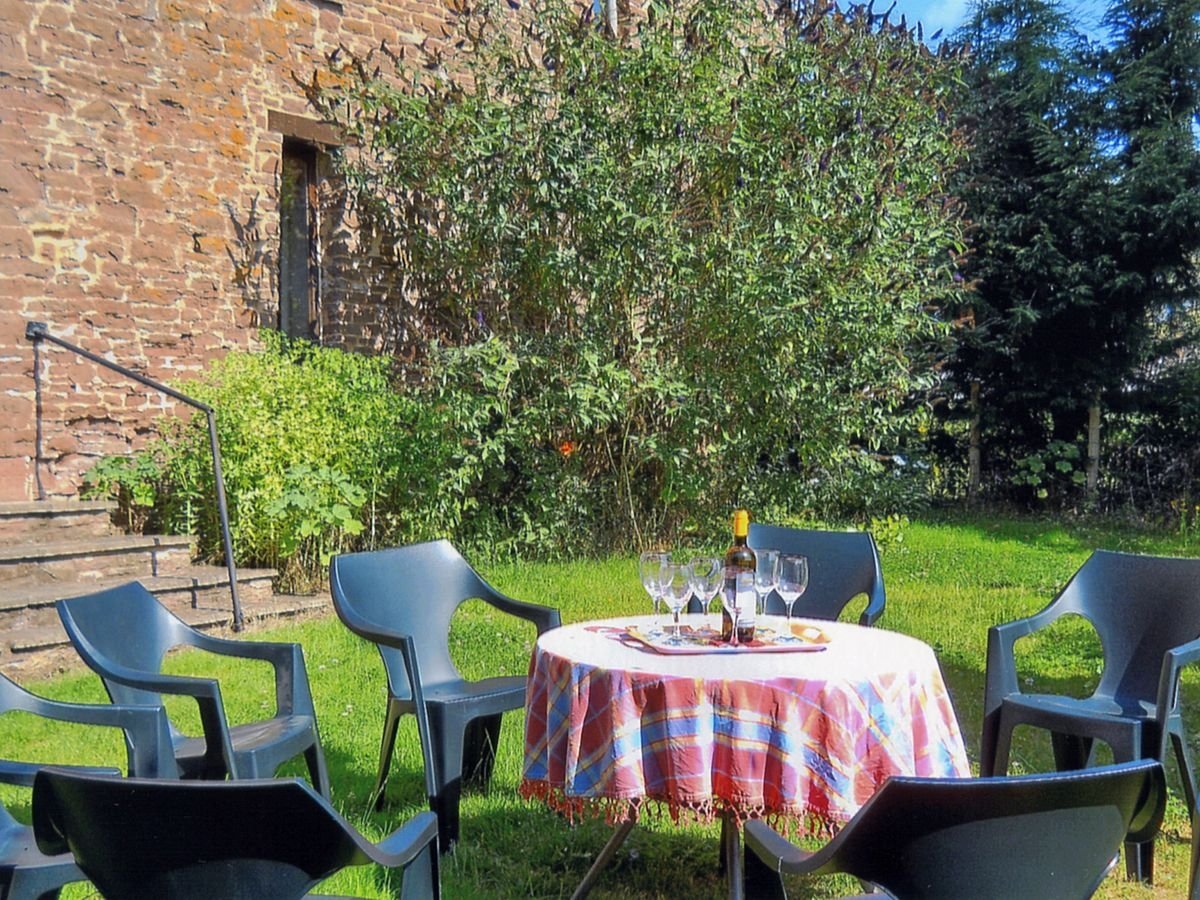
<point x="160" y="175"/>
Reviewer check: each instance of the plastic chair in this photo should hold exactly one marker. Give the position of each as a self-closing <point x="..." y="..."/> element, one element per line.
<point x="841" y="566"/>
<point x="1050" y="836"/>
<point x="402" y="600"/>
<point x="26" y="872"/>
<point x="257" y="839"/>
<point x="124" y="633"/>
<point x="1146" y="611"/>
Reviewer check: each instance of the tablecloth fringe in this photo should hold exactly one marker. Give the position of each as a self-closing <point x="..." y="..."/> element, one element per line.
<point x="617" y="810"/>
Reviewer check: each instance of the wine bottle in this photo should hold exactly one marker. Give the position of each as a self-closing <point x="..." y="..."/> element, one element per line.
<point x="739" y="582"/>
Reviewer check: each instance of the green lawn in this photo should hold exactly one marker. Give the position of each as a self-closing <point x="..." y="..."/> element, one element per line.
<point x="946" y="583"/>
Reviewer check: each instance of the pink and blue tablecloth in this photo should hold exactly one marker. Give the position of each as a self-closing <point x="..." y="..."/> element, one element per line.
<point x="611" y="725"/>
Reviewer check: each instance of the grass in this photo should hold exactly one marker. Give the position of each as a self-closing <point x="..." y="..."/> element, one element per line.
<point x="947" y="582"/>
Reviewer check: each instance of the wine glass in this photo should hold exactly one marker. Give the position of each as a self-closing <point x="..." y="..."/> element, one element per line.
<point x="793" y="579"/>
<point x="734" y="596"/>
<point x="766" y="576"/>
<point x="708" y="576"/>
<point x="676" y="589"/>
<point x="651" y="566"/>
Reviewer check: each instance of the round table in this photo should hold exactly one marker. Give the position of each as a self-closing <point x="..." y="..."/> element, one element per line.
<point x="611" y="725"/>
<point x="812" y="735"/>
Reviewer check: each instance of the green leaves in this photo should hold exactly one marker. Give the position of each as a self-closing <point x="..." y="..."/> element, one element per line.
<point x="706" y="258"/>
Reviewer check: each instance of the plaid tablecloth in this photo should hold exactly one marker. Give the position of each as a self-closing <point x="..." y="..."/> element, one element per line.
<point x="811" y="736"/>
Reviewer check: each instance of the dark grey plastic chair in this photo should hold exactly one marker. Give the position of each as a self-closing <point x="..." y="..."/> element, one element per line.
<point x="1053" y="837"/>
<point x="258" y="839"/>
<point x="842" y="565"/>
<point x="124" y="633"/>
<point x="26" y="872"/>
<point x="1146" y="611"/>
<point x="402" y="600"/>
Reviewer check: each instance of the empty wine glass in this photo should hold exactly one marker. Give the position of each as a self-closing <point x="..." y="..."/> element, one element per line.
<point x="793" y="579"/>
<point x="708" y="577"/>
<point x="676" y="589"/>
<point x="766" y="576"/>
<point x="651" y="566"/>
<point x="734" y="595"/>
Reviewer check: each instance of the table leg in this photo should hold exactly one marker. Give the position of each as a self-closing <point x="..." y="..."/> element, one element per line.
<point x="606" y="855"/>
<point x="731" y="853"/>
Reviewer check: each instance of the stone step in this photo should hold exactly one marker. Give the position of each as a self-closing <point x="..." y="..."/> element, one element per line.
<point x="96" y="558"/>
<point x="45" y="650"/>
<point x="54" y="520"/>
<point x="199" y="586"/>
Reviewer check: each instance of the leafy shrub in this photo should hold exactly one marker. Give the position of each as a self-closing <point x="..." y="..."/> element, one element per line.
<point x="320" y="454"/>
<point x="703" y="259"/>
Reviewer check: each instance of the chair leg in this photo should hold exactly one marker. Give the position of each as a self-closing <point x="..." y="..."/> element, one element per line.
<point x="1139" y="862"/>
<point x="1187" y="768"/>
<point x="1139" y="858"/>
<point x="479" y="749"/>
<point x="446" y="735"/>
<point x="445" y="805"/>
<point x="762" y="882"/>
<point x="1071" y="752"/>
<point x="315" y="757"/>
<point x="988" y="744"/>
<point x="1000" y="750"/>
<point x="386" y="745"/>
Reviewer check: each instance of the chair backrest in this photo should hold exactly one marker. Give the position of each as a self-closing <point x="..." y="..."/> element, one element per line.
<point x="1041" y="836"/>
<point x="1141" y="607"/>
<point x="413" y="590"/>
<point x="136" y="837"/>
<point x="841" y="566"/>
<point x="124" y="626"/>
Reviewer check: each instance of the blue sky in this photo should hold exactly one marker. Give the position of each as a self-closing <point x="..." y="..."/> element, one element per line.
<point x="949" y="14"/>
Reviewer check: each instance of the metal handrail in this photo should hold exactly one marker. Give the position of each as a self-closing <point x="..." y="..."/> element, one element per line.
<point x="38" y="331"/>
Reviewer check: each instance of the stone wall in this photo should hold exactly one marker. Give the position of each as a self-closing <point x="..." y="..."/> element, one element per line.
<point x="140" y="146"/>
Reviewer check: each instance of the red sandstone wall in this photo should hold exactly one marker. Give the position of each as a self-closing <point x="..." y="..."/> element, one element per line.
<point x="138" y="199"/>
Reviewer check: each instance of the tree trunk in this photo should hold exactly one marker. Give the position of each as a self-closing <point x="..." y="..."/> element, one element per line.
<point x="974" y="456"/>
<point x="610" y="17"/>
<point x="1093" y="451"/>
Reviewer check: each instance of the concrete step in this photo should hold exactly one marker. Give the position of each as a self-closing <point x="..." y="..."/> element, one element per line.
<point x="45" y="650"/>
<point x="94" y="559"/>
<point x="54" y="520"/>
<point x="199" y="587"/>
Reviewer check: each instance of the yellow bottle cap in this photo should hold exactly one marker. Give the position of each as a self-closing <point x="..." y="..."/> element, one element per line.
<point x="741" y="523"/>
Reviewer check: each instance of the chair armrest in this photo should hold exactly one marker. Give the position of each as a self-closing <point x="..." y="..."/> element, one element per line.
<point x="876" y="602"/>
<point x="544" y="617"/>
<point x="205" y="691"/>
<point x="1174" y="662"/>
<point x="1001" y="671"/>
<point x="387" y="637"/>
<point x="147" y="731"/>
<point x="291" y="677"/>
<point x="408" y="841"/>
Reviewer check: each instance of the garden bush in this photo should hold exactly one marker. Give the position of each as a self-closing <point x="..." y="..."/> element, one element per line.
<point x="685" y="269"/>
<point x="320" y="454"/>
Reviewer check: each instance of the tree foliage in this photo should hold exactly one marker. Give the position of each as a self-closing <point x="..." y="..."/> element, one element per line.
<point x="1083" y="190"/>
<point x="693" y="267"/>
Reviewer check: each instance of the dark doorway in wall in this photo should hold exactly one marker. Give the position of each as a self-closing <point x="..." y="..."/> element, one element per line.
<point x="299" y="272"/>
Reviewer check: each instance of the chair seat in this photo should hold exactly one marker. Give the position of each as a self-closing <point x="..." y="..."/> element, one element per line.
<point x="285" y="736"/>
<point x="486" y="696"/>
<point x="1044" y="707"/>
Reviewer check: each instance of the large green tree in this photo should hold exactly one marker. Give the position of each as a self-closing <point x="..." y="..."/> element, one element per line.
<point x="1035" y="192"/>
<point x="708" y="252"/>
<point x="1082" y="187"/>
